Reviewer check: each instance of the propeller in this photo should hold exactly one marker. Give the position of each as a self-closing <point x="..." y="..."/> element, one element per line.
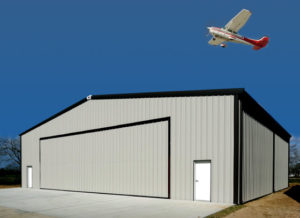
<point x="209" y="23"/>
<point x="207" y="34"/>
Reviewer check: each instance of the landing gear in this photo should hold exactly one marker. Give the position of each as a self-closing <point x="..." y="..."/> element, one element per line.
<point x="223" y="45"/>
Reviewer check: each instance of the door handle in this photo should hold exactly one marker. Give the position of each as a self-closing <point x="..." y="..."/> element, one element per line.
<point x="196" y="180"/>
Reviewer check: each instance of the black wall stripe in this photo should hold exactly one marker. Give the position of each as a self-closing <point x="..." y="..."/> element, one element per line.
<point x="169" y="157"/>
<point x="273" y="162"/>
<point x="108" y="128"/>
<point x="236" y="152"/>
<point x="21" y="167"/>
<point x="241" y="151"/>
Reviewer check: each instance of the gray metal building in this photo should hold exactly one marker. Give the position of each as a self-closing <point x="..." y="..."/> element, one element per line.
<point x="213" y="145"/>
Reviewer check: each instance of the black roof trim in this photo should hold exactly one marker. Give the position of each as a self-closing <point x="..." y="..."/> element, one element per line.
<point x="144" y="95"/>
<point x="209" y="92"/>
<point x="250" y="105"/>
<point x="56" y="115"/>
<point x="255" y="110"/>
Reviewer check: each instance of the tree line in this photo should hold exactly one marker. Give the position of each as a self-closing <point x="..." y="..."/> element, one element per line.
<point x="294" y="164"/>
<point x="10" y="155"/>
<point x="10" y="161"/>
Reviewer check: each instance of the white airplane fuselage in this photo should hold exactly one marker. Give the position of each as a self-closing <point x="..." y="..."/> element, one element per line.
<point x="230" y="33"/>
<point x="228" y="36"/>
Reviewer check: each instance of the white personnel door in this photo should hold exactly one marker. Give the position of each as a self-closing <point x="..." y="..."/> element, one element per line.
<point x="29" y="177"/>
<point x="202" y="181"/>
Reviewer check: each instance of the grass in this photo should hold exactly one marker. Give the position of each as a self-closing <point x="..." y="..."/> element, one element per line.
<point x="10" y="186"/>
<point x="229" y="210"/>
<point x="294" y="180"/>
<point x="226" y="211"/>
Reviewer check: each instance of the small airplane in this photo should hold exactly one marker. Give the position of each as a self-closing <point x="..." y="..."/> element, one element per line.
<point x="229" y="33"/>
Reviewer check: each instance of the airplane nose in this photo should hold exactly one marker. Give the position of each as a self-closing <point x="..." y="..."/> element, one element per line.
<point x="209" y="32"/>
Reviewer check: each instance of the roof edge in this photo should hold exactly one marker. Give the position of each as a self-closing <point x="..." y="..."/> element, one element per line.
<point x="254" y="109"/>
<point x="208" y="92"/>
<point x="55" y="115"/>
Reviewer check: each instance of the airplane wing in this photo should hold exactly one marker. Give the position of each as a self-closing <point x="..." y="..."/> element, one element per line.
<point x="236" y="23"/>
<point x="215" y="41"/>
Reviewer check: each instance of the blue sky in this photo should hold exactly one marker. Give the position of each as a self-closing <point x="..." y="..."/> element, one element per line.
<point x="53" y="53"/>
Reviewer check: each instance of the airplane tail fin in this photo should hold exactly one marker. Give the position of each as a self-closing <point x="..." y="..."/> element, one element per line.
<point x="258" y="44"/>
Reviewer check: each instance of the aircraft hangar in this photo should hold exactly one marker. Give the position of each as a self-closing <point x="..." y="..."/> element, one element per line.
<point x="207" y="145"/>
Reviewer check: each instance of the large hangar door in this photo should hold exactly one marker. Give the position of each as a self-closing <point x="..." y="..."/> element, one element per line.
<point x="131" y="159"/>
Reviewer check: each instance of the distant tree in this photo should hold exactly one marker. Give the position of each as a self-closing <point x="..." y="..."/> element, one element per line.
<point x="10" y="152"/>
<point x="294" y="156"/>
<point x="2" y="154"/>
<point x="294" y="165"/>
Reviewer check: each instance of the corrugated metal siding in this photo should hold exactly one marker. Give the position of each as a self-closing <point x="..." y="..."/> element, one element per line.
<point x="257" y="159"/>
<point x="201" y="129"/>
<point x="281" y="163"/>
<point x="131" y="160"/>
<point x="30" y="157"/>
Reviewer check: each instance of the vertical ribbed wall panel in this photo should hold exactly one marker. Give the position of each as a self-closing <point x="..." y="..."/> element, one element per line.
<point x="201" y="129"/>
<point x="257" y="159"/>
<point x="281" y="163"/>
<point x="131" y="160"/>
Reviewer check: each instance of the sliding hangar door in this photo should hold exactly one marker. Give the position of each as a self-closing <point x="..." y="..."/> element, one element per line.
<point x="131" y="159"/>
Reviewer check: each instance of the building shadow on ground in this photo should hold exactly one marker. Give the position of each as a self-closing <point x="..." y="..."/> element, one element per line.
<point x="294" y="193"/>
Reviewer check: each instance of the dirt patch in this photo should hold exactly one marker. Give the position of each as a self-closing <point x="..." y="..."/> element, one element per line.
<point x="10" y="186"/>
<point x="280" y="204"/>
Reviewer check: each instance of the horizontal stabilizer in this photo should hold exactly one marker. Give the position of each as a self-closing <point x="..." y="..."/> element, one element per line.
<point x="256" y="47"/>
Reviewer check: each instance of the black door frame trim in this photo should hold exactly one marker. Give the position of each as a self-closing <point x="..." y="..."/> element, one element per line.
<point x="168" y="119"/>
